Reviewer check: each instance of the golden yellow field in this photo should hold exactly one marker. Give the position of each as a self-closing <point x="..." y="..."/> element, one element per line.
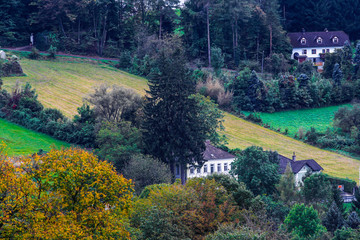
<point x="63" y="84"/>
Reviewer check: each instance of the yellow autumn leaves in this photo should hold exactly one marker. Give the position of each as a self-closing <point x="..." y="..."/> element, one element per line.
<point x="65" y="194"/>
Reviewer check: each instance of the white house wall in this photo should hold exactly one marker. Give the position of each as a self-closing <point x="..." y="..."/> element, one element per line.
<point x="309" y="51"/>
<point x="208" y="164"/>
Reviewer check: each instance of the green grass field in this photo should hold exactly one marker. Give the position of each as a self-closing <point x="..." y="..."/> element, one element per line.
<point x="320" y="118"/>
<point x="63" y="85"/>
<point x="21" y="141"/>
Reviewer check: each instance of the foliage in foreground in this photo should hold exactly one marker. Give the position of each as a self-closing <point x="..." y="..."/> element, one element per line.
<point x="66" y="194"/>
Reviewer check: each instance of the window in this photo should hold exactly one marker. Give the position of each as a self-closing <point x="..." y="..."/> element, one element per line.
<point x="219" y="167"/>
<point x="198" y="170"/>
<point x="192" y="170"/>
<point x="212" y="168"/>
<point x="319" y="40"/>
<point x="304" y="51"/>
<point x="205" y="168"/>
<point x="303" y="40"/>
<point x="314" y="60"/>
<point x="335" y="40"/>
<point x="225" y="167"/>
<point x="313" y="51"/>
<point x="323" y="51"/>
<point x="327" y="50"/>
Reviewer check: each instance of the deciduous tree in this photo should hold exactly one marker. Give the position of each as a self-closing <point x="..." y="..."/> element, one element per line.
<point x="66" y="194"/>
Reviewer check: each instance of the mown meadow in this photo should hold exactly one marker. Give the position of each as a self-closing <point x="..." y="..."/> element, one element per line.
<point x="21" y="141"/>
<point x="64" y="82"/>
<point x="293" y="120"/>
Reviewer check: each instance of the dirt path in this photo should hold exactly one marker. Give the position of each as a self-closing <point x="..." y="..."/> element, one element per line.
<point x="61" y="54"/>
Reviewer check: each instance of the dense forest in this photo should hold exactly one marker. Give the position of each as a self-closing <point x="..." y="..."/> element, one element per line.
<point x="242" y="29"/>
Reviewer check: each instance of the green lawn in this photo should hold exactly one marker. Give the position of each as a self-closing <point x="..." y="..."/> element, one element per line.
<point x="62" y="85"/>
<point x="320" y="118"/>
<point x="21" y="141"/>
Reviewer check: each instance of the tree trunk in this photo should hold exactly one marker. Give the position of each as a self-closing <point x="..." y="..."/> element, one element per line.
<point x="257" y="48"/>
<point x="208" y="34"/>
<point x="104" y="34"/>
<point x="233" y="35"/>
<point x="160" y="27"/>
<point x="271" y="39"/>
<point x="62" y="26"/>
<point x="182" y="173"/>
<point x="78" y="31"/>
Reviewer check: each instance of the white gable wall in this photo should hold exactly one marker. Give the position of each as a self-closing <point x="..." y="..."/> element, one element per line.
<point x="309" y="51"/>
<point x="210" y="167"/>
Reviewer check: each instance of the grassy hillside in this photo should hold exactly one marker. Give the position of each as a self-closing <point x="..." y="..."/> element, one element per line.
<point x="320" y="118"/>
<point x="21" y="141"/>
<point x="63" y="85"/>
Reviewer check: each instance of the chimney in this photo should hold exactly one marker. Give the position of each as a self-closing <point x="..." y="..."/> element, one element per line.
<point x="294" y="157"/>
<point x="303" y="30"/>
<point x="326" y="30"/>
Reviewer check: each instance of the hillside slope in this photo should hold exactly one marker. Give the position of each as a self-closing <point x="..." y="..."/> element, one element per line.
<point x="63" y="86"/>
<point x="21" y="141"/>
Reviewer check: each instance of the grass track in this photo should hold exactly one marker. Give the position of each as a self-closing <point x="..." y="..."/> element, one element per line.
<point x="21" y="141"/>
<point x="62" y="85"/>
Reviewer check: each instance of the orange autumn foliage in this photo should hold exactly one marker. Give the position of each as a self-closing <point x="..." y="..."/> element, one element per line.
<point x="198" y="207"/>
<point x="65" y="194"/>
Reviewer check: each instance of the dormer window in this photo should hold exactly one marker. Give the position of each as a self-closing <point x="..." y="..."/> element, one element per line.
<point x="303" y="40"/>
<point x="319" y="40"/>
<point x="335" y="39"/>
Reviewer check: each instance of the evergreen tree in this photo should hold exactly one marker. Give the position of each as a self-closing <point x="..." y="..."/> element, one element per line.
<point x="303" y="80"/>
<point x="333" y="219"/>
<point x="256" y="92"/>
<point x="173" y="129"/>
<point x="356" y="59"/>
<point x="356" y="204"/>
<point x="353" y="220"/>
<point x="286" y="187"/>
<point x="339" y="201"/>
<point x="337" y="74"/>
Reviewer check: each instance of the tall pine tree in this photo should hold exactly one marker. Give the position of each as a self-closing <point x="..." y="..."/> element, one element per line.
<point x="173" y="130"/>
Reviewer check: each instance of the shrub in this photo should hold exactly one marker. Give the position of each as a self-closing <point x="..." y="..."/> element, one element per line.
<point x="255" y="118"/>
<point x="144" y="171"/>
<point x="52" y="51"/>
<point x="35" y="54"/>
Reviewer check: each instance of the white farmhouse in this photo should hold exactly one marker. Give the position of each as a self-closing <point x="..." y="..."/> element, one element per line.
<point x="216" y="161"/>
<point x="313" y="46"/>
<point x="299" y="168"/>
<point x="219" y="161"/>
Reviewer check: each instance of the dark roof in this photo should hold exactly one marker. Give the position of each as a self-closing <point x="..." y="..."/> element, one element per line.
<point x="296" y="166"/>
<point x="212" y="152"/>
<point x="311" y="38"/>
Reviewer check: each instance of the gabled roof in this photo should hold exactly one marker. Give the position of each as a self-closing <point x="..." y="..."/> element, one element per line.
<point x="213" y="153"/>
<point x="296" y="166"/>
<point x="311" y="39"/>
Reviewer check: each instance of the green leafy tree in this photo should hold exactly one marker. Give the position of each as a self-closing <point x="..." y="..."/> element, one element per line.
<point x="304" y="222"/>
<point x="114" y="104"/>
<point x="118" y="142"/>
<point x="317" y="189"/>
<point x="145" y="170"/>
<point x="258" y="169"/>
